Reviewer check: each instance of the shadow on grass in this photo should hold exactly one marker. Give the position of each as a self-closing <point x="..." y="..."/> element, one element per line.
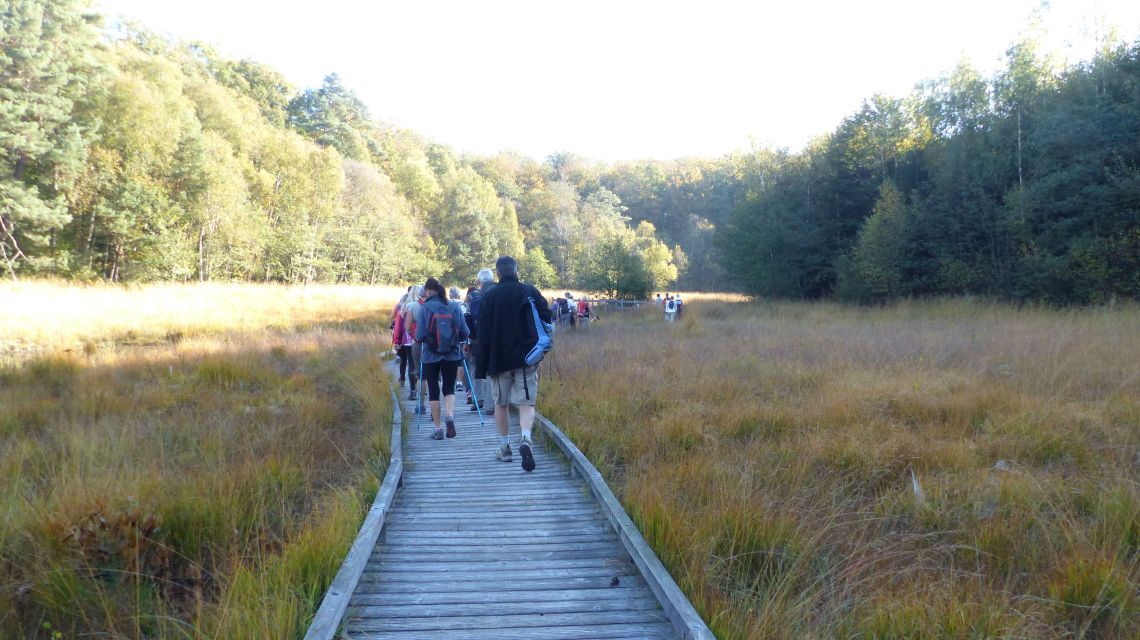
<point x="195" y="486"/>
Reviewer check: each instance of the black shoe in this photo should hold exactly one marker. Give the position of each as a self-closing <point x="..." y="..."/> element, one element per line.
<point x="474" y="408"/>
<point x="527" y="456"/>
<point x="451" y="427"/>
<point x="412" y="395"/>
<point x="437" y="435"/>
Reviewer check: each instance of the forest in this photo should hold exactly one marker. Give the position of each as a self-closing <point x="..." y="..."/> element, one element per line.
<point x="128" y="156"/>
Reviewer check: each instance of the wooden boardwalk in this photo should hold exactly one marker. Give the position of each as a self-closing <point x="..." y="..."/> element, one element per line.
<point x="472" y="547"/>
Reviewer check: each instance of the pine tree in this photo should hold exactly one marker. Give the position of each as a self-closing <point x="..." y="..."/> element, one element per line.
<point x="46" y="64"/>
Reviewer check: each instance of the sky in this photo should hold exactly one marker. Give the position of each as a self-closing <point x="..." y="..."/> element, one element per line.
<point x="625" y="79"/>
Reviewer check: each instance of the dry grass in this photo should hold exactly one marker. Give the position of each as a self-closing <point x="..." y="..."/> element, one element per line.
<point x="40" y="316"/>
<point x="771" y="452"/>
<point x="207" y="486"/>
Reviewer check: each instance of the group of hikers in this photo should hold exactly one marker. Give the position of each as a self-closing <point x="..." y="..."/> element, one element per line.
<point x="572" y="313"/>
<point x="491" y="332"/>
<point x="671" y="305"/>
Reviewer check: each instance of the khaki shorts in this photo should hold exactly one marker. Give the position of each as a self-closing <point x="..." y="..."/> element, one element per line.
<point x="519" y="386"/>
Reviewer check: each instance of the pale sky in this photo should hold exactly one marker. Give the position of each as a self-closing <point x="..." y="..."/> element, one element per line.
<point x="623" y="79"/>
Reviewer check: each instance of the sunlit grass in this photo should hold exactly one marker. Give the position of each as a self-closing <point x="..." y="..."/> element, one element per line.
<point x="771" y="452"/>
<point x="203" y="487"/>
<point x="38" y="316"/>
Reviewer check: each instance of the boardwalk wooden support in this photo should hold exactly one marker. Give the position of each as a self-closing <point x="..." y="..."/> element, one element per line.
<point x="327" y="620"/>
<point x="476" y="548"/>
<point x="681" y="613"/>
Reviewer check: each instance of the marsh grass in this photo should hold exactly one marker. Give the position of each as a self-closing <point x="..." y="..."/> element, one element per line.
<point x="40" y="317"/>
<point x="771" y="452"/>
<point x="204" y="487"/>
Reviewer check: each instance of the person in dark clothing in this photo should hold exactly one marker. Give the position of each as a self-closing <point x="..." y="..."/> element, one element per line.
<point x="486" y="280"/>
<point x="435" y="363"/>
<point x="506" y="333"/>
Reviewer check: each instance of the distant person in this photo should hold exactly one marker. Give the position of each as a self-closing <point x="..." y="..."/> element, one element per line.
<point x="571" y="310"/>
<point x="506" y="334"/>
<point x="486" y="280"/>
<point x="680" y="305"/>
<point x="670" y="308"/>
<point x="441" y="329"/>
<point x="584" y="312"/>
<point x="658" y="301"/>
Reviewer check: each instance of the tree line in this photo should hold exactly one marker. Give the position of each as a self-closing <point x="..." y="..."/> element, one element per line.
<point x="133" y="157"/>
<point x="1023" y="186"/>
<point x="130" y="156"/>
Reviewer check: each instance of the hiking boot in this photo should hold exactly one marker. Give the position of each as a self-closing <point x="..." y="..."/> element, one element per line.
<point x="504" y="453"/>
<point x="412" y="394"/>
<point x="450" y="427"/>
<point x="474" y="407"/>
<point x="438" y="435"/>
<point x="527" y="456"/>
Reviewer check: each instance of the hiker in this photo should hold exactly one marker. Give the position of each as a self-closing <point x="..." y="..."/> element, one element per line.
<point x="486" y="280"/>
<point x="670" y="308"/>
<point x="441" y="329"/>
<point x="402" y="341"/>
<point x="410" y="313"/>
<point x="584" y="312"/>
<point x="658" y="301"/>
<point x="507" y="333"/>
<point x="680" y="305"/>
<point x="571" y="309"/>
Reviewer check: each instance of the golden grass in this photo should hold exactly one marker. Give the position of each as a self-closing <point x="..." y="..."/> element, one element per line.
<point x="204" y="487"/>
<point x="41" y="316"/>
<point x="771" y="453"/>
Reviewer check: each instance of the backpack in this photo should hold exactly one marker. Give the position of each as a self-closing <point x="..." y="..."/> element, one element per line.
<point x="545" y="332"/>
<point x="474" y="308"/>
<point x="442" y="337"/>
<point x="670" y="306"/>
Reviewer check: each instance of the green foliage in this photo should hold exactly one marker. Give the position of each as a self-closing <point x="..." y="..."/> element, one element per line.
<point x="48" y="68"/>
<point x="616" y="270"/>
<point x="1030" y="195"/>
<point x="179" y="164"/>
<point x="537" y="270"/>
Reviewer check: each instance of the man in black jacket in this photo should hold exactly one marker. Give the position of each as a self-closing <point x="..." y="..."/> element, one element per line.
<point x="506" y="333"/>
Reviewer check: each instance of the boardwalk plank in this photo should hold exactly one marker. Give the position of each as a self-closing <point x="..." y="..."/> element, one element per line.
<point x="653" y="631"/>
<point x="444" y="584"/>
<point x="480" y="597"/>
<point x="531" y="607"/>
<point x="517" y="621"/>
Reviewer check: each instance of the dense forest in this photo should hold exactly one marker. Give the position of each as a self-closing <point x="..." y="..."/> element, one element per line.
<point x="129" y="156"/>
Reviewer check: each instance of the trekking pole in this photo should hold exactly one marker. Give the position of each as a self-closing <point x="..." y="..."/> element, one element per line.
<point x="471" y="385"/>
<point x="419" y="390"/>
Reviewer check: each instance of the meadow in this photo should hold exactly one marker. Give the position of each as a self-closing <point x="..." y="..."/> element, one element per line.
<point x="184" y="461"/>
<point x="192" y="461"/>
<point x="942" y="469"/>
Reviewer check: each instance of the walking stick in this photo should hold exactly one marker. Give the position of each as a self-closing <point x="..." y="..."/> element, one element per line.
<point x="471" y="385"/>
<point x="419" y="390"/>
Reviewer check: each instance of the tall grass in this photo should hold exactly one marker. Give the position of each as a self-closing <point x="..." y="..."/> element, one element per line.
<point x="39" y="316"/>
<point x="931" y="469"/>
<point x="204" y="487"/>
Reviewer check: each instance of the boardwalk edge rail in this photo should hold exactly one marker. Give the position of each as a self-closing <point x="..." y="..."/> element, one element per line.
<point x="327" y="621"/>
<point x="685" y="619"/>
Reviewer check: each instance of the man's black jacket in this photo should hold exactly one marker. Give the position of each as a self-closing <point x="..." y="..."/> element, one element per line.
<point x="506" y="327"/>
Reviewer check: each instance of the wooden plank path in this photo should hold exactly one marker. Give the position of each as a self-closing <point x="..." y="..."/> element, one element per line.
<point x="471" y="547"/>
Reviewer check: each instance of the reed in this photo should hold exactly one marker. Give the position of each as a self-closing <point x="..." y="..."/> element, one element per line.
<point x="200" y="487"/>
<point x="931" y="469"/>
